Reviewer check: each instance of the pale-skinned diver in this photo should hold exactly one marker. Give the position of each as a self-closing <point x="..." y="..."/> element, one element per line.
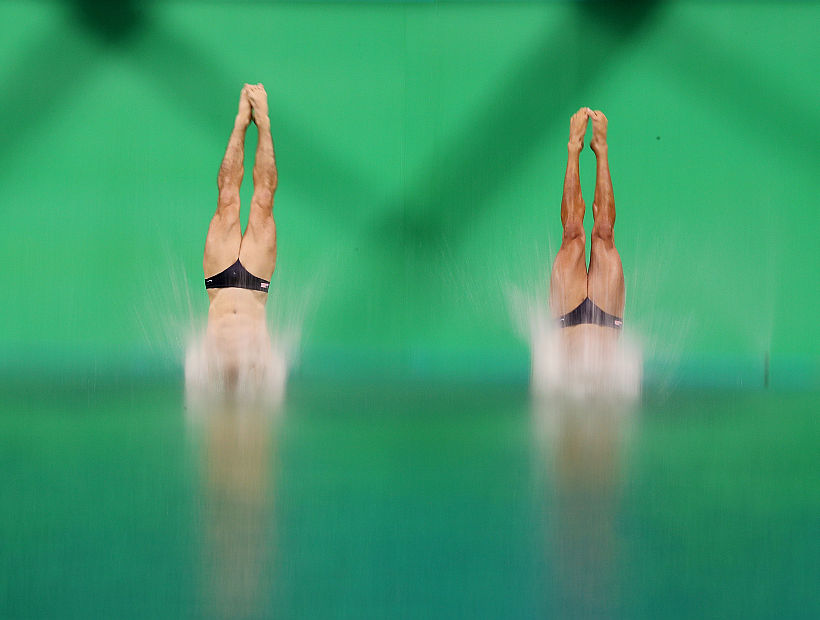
<point x="238" y="267"/>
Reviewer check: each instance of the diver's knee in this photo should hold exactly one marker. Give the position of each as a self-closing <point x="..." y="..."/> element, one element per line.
<point x="573" y="235"/>
<point x="603" y="232"/>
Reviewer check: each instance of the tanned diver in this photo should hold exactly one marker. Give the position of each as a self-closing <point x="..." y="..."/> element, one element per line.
<point x="588" y="304"/>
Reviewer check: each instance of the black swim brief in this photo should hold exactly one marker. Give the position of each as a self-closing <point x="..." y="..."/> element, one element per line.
<point x="236" y="276"/>
<point x="588" y="313"/>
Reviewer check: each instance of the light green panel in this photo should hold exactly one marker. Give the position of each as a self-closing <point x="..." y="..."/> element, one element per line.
<point x="421" y="150"/>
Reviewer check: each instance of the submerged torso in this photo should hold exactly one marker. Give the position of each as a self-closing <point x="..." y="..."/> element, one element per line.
<point x="584" y="361"/>
<point x="237" y="330"/>
<point x="236" y="359"/>
<point x="586" y="340"/>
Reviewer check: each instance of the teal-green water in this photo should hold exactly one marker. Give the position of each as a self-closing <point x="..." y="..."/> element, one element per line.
<point x="408" y="501"/>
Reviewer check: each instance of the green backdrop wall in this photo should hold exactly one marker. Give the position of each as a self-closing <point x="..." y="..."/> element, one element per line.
<point x="421" y="149"/>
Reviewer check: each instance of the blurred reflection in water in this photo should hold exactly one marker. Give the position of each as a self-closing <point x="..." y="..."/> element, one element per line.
<point x="580" y="443"/>
<point x="237" y="442"/>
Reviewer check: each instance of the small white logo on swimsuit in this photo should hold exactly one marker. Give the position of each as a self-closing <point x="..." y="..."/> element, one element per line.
<point x="618" y="323"/>
<point x="265" y="285"/>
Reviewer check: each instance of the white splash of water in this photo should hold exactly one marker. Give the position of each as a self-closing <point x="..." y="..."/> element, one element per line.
<point x="168" y="318"/>
<point x="256" y="372"/>
<point x="588" y="372"/>
<point x="172" y="320"/>
<point x="258" y="375"/>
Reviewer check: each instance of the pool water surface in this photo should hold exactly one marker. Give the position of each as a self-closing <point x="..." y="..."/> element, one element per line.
<point x="408" y="501"/>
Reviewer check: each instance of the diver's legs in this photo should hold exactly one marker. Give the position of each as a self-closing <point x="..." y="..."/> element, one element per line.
<point x="224" y="232"/>
<point x="258" y="249"/>
<point x="568" y="282"/>
<point x="606" y="274"/>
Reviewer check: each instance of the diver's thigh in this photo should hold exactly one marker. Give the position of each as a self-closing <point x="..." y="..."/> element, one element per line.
<point x="568" y="280"/>
<point x="605" y="282"/>
<point x="221" y="244"/>
<point x="258" y="249"/>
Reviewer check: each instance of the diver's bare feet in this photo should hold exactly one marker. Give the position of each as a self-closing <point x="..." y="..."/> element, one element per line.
<point x="259" y="102"/>
<point x="599" y="124"/>
<point x="243" y="116"/>
<point x="578" y="128"/>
